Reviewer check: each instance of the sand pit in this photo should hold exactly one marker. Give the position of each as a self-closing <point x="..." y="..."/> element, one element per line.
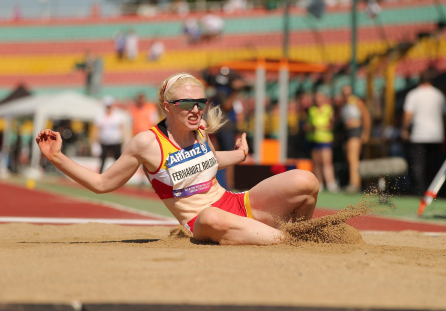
<point x="112" y="263"/>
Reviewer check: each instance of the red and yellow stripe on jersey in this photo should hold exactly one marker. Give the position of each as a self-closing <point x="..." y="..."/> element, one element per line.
<point x="182" y="172"/>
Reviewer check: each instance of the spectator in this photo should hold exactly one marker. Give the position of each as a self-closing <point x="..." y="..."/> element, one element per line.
<point x="212" y="27"/>
<point x="108" y="131"/>
<point x="131" y="45"/>
<point x="144" y="114"/>
<point x="272" y="119"/>
<point x="356" y="121"/>
<point x="92" y="67"/>
<point x="423" y="127"/>
<point x="180" y="7"/>
<point x="147" y="9"/>
<point x="227" y="90"/>
<point x="95" y="9"/>
<point x="17" y="13"/>
<point x="119" y="45"/>
<point x="87" y="67"/>
<point x="156" y="51"/>
<point x="234" y="5"/>
<point x="64" y="127"/>
<point x="228" y="87"/>
<point x="96" y="83"/>
<point x="192" y="30"/>
<point x="295" y="120"/>
<point x="320" y="125"/>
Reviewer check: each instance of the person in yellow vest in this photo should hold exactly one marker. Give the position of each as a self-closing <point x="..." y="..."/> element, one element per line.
<point x="320" y="132"/>
<point x="181" y="163"/>
<point x="357" y="123"/>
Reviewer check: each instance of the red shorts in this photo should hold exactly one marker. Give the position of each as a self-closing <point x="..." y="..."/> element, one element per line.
<point x="235" y="203"/>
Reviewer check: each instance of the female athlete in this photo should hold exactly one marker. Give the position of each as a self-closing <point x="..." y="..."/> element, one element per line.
<point x="181" y="164"/>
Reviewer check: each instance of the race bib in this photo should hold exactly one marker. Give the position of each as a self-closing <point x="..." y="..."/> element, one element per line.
<point x="192" y="169"/>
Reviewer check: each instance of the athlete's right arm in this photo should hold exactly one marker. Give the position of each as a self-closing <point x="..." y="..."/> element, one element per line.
<point x="141" y="149"/>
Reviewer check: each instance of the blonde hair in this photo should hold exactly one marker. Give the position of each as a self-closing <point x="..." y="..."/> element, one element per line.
<point x="214" y="116"/>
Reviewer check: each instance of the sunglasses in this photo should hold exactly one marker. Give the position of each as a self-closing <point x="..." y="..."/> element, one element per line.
<point x="189" y="104"/>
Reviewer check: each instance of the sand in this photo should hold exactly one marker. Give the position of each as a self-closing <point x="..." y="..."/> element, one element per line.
<point x="131" y="264"/>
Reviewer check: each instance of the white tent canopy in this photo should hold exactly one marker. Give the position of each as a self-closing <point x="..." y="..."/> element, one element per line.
<point x="66" y="105"/>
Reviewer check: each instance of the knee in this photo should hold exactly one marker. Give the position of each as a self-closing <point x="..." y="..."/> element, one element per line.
<point x="306" y="182"/>
<point x="211" y="219"/>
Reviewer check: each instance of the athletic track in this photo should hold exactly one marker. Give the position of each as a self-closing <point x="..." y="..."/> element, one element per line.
<point x="19" y="204"/>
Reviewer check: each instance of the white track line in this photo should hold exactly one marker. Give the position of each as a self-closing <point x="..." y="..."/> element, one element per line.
<point x="54" y="220"/>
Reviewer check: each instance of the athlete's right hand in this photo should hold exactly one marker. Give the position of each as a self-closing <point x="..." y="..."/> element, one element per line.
<point x="50" y="143"/>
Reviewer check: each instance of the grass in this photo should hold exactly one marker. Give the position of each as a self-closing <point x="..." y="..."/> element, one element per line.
<point x="394" y="206"/>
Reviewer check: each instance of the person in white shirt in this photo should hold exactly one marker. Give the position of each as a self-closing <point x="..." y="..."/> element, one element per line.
<point x="235" y="5"/>
<point x="109" y="131"/>
<point x="156" y="51"/>
<point x="212" y="26"/>
<point x="423" y="128"/>
<point x="131" y="45"/>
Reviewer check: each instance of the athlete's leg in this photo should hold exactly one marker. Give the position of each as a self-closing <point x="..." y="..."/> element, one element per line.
<point x="228" y="229"/>
<point x="278" y="198"/>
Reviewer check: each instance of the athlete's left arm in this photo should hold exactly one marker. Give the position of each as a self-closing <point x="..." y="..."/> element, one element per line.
<point x="228" y="158"/>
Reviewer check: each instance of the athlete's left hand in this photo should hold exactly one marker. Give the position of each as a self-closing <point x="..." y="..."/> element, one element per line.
<point x="241" y="143"/>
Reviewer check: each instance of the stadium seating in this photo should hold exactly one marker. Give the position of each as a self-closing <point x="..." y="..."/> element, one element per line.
<point x="43" y="54"/>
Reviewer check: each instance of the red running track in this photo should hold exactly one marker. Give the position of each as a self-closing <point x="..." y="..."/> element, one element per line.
<point x="21" y="202"/>
<point x="379" y="223"/>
